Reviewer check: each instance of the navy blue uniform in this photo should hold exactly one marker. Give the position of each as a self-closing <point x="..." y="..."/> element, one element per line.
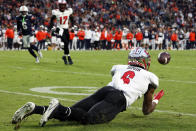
<point x="24" y="24"/>
<point x="24" y="27"/>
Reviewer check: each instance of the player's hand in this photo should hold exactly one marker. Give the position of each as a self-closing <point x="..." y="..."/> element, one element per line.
<point x="158" y="96"/>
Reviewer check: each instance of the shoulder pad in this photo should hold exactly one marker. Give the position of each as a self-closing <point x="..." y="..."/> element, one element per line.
<point x="54" y="12"/>
<point x="30" y="15"/>
<point x="71" y="10"/>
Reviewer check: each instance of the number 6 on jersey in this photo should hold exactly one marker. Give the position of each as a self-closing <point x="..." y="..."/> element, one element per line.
<point x="127" y="76"/>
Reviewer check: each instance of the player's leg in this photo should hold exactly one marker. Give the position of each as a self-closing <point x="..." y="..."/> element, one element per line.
<point x="105" y="110"/>
<point x="65" y="39"/>
<point x="26" y="44"/>
<point x="89" y="101"/>
<point x="32" y="45"/>
<point x="26" y="110"/>
<point x="77" y="111"/>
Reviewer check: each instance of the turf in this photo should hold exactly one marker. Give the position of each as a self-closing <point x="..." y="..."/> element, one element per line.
<point x="19" y="73"/>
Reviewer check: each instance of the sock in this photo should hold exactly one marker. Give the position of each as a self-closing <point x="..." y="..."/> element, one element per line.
<point x="39" y="110"/>
<point x="32" y="52"/>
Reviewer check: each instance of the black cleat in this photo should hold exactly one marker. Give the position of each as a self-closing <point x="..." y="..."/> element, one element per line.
<point x="65" y="60"/>
<point x="70" y="61"/>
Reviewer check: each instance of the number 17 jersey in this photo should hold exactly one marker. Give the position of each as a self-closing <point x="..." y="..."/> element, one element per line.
<point x="62" y="17"/>
<point x="133" y="81"/>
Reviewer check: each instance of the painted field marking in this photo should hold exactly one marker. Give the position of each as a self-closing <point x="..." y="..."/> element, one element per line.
<point x="63" y="99"/>
<point x="168" y="112"/>
<point x="50" y="91"/>
<point x="96" y="74"/>
<point x="40" y="96"/>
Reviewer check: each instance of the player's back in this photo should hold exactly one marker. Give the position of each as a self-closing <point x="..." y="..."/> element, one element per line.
<point x="133" y="81"/>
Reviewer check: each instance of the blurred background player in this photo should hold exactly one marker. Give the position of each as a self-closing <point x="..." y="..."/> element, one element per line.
<point x="9" y="34"/>
<point x="24" y="28"/>
<point x="146" y="39"/>
<point x="62" y="16"/>
<point x="129" y="83"/>
<point x="152" y="39"/>
<point x="1" y="37"/>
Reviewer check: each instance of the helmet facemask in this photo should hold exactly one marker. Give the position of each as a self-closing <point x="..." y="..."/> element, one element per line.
<point x="24" y="13"/>
<point x="62" y="7"/>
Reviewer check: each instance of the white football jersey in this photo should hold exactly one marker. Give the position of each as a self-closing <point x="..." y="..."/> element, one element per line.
<point x="62" y="17"/>
<point x="133" y="81"/>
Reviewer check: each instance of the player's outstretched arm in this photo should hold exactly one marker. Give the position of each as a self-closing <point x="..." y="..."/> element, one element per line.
<point x="149" y="102"/>
<point x="51" y="24"/>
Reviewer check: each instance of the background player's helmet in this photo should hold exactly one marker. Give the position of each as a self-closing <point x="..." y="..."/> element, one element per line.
<point x="139" y="57"/>
<point x="23" y="10"/>
<point x="62" y="5"/>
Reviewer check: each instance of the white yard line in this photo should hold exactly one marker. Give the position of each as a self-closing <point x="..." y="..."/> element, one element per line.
<point x="63" y="99"/>
<point x="40" y="96"/>
<point x="96" y="74"/>
<point x="168" y="112"/>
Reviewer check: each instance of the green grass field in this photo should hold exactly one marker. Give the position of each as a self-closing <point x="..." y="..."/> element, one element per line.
<point x="19" y="74"/>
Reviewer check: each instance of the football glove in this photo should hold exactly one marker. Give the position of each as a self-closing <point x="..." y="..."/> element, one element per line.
<point x="158" y="96"/>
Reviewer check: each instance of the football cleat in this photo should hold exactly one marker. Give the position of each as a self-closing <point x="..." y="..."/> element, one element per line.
<point x="70" y="60"/>
<point x="37" y="60"/>
<point x="49" y="112"/>
<point x="40" y="54"/>
<point x="64" y="59"/>
<point x="23" y="112"/>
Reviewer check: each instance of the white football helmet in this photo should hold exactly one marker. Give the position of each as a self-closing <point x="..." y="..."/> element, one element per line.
<point x="62" y="5"/>
<point x="62" y="2"/>
<point x="23" y="10"/>
<point x="139" y="57"/>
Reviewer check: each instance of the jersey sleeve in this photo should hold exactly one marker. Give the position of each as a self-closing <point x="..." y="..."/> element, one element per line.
<point x="154" y="79"/>
<point x="70" y="10"/>
<point x="117" y="67"/>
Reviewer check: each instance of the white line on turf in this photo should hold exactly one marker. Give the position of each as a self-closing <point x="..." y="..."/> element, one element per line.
<point x="96" y="74"/>
<point x="49" y="90"/>
<point x="168" y="112"/>
<point x="63" y="99"/>
<point x="29" y="94"/>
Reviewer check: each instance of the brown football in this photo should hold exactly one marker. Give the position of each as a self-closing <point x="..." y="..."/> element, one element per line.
<point x="164" y="58"/>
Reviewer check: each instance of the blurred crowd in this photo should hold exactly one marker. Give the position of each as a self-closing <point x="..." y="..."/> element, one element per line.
<point x="163" y="18"/>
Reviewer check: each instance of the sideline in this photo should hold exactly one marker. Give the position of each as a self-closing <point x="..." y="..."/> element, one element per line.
<point x="63" y="99"/>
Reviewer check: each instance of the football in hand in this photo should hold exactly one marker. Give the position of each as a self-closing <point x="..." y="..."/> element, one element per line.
<point x="164" y="58"/>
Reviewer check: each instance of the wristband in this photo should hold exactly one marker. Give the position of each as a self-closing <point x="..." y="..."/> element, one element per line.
<point x="155" y="101"/>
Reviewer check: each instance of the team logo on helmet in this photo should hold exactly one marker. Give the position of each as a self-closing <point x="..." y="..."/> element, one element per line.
<point x="139" y="57"/>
